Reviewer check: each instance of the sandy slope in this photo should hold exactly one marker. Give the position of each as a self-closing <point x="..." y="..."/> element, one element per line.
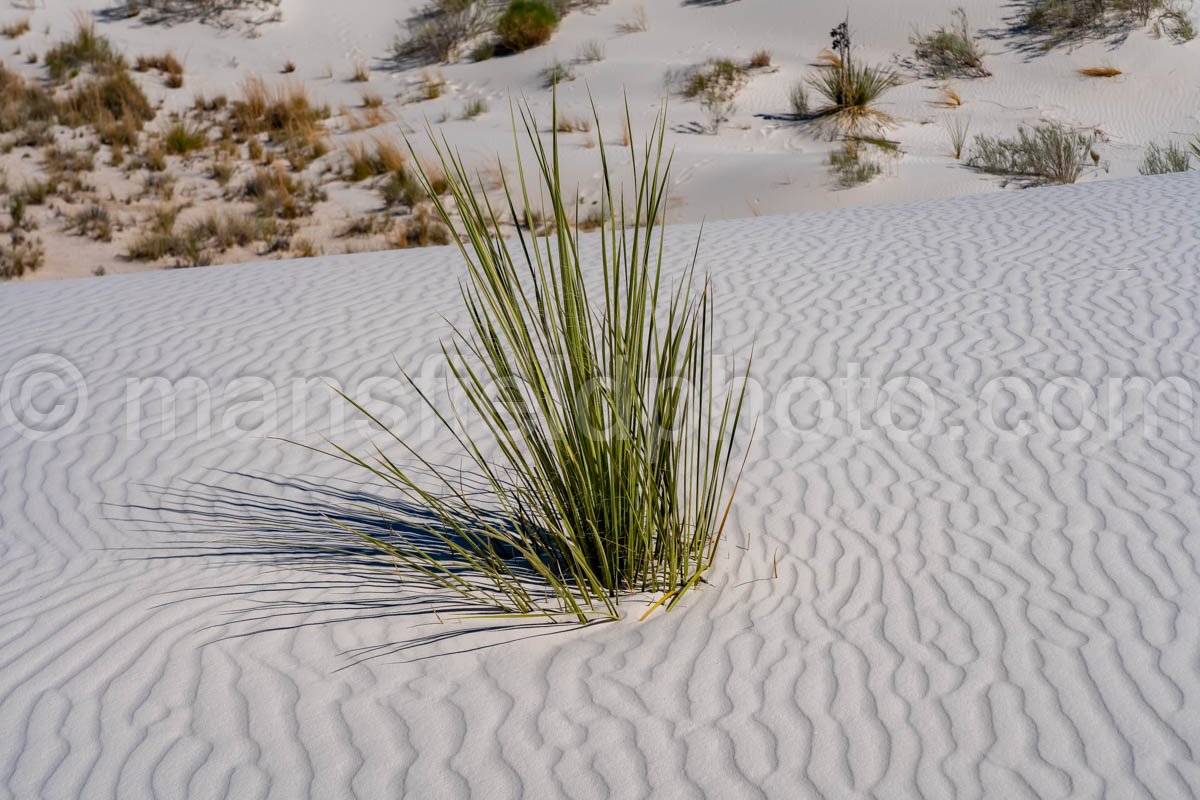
<point x="762" y="162"/>
<point x="955" y="614"/>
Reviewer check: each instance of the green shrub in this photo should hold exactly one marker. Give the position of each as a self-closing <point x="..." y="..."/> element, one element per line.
<point x="525" y="24"/>
<point x="182" y="138"/>
<point x="850" y="90"/>
<point x="613" y="444"/>
<point x="1048" y="153"/>
<point x="1161" y="159"/>
<point x="951" y="50"/>
<point x="851" y="166"/>
<point x="87" y="48"/>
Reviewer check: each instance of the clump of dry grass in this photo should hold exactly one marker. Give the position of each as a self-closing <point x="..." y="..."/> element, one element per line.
<point x="948" y="97"/>
<point x="951" y="50"/>
<point x="420" y="229"/>
<point x="167" y="64"/>
<point x="93" y="221"/>
<point x="23" y="104"/>
<point x="635" y="22"/>
<point x="16" y="29"/>
<point x="760" y="59"/>
<point x="85" y="49"/>
<point x="361" y="73"/>
<point x="556" y="73"/>
<point x="381" y="158"/>
<point x="1100" y="72"/>
<point x="432" y="85"/>
<point x="277" y="194"/>
<point x="183" y="138"/>
<point x="22" y="255"/>
<point x="569" y="123"/>
<point x="286" y="115"/>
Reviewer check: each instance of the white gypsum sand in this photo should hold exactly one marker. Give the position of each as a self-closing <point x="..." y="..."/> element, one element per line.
<point x="761" y="162"/>
<point x="946" y="613"/>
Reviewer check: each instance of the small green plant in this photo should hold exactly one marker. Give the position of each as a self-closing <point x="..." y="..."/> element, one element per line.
<point x="798" y="98"/>
<point x="613" y="442"/>
<point x="1161" y="159"/>
<point x="715" y="85"/>
<point x="474" y="107"/>
<point x="183" y="138"/>
<point x="87" y="48"/>
<point x="591" y="52"/>
<point x="556" y="73"/>
<point x="851" y="166"/>
<point x="951" y="50"/>
<point x="957" y="128"/>
<point x="1047" y="153"/>
<point x="851" y="89"/>
<point x="525" y="24"/>
<point x="92" y="221"/>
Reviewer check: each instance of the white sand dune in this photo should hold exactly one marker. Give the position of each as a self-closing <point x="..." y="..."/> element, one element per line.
<point x="955" y="614"/>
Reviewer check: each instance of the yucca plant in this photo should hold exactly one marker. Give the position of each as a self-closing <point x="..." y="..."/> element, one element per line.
<point x="850" y="89"/>
<point x="605" y="466"/>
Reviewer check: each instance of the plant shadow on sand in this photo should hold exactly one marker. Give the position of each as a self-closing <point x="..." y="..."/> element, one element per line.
<point x="329" y="576"/>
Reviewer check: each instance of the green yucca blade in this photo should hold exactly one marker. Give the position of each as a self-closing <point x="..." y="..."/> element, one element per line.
<point x="605" y="461"/>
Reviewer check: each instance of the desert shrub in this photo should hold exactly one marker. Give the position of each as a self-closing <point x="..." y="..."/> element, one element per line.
<point x="1161" y="159"/>
<point x="850" y="165"/>
<point x="422" y="228"/>
<point x="613" y="444"/>
<point x="951" y="50"/>
<point x="474" y="107"/>
<point x="1060" y="21"/>
<point x="113" y="104"/>
<point x="635" y="23"/>
<point x="798" y="98"/>
<point x="221" y="232"/>
<point x="715" y="85"/>
<point x="957" y="128"/>
<point x="1175" y="23"/>
<point x="556" y="73"/>
<point x="1047" y="153"/>
<point x="591" y="52"/>
<point x="20" y="257"/>
<point x="277" y="194"/>
<point x="401" y="188"/>
<point x="23" y="104"/>
<point x="183" y="138"/>
<point x="86" y="48"/>
<point x="440" y="27"/>
<point x="93" y="221"/>
<point x="760" y="59"/>
<point x="850" y="91"/>
<point x="367" y="162"/>
<point x="288" y="117"/>
<point x="525" y="24"/>
<point x="16" y="29"/>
